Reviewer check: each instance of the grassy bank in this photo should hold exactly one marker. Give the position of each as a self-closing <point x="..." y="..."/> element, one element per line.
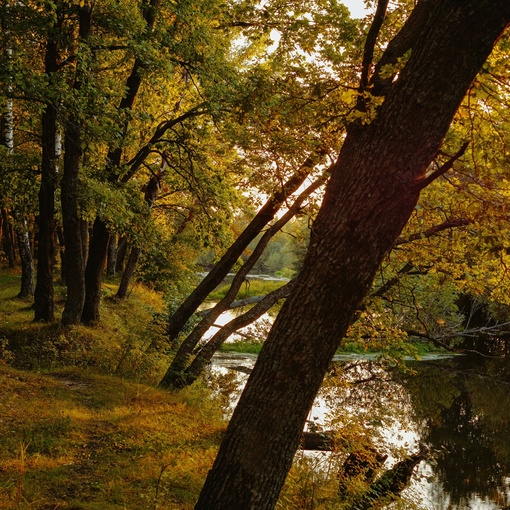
<point x="82" y="425"/>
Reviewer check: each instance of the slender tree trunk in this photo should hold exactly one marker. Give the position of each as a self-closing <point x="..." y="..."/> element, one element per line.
<point x="94" y="272"/>
<point x="84" y="231"/>
<point x="227" y="261"/>
<point x="8" y="239"/>
<point x="372" y="192"/>
<point x="62" y="252"/>
<point x="174" y="373"/>
<point x="99" y="244"/>
<point x="75" y="264"/>
<point x="121" y="253"/>
<point x="43" y="296"/>
<point x="128" y="272"/>
<point x="27" y="262"/>
<point x="111" y="264"/>
<point x="204" y="356"/>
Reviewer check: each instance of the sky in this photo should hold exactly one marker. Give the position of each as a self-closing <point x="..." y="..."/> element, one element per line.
<point x="356" y="7"/>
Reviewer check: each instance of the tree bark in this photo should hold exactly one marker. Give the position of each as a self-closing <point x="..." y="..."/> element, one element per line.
<point x="27" y="262"/>
<point x="111" y="264"/>
<point x="94" y="272"/>
<point x="43" y="296"/>
<point x="121" y="253"/>
<point x="8" y="239"/>
<point x="204" y="356"/>
<point x="128" y="272"/>
<point x="173" y="375"/>
<point x="372" y="192"/>
<point x="227" y="261"/>
<point x="74" y="262"/>
<point x="96" y="260"/>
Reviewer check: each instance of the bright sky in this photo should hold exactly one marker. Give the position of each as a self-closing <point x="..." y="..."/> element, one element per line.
<point x="357" y="7"/>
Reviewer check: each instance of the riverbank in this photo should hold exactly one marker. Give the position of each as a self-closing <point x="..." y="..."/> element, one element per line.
<point x="82" y="423"/>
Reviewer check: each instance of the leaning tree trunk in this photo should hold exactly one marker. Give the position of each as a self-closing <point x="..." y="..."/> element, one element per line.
<point x="175" y="371"/>
<point x="266" y="214"/>
<point x="373" y="190"/>
<point x="205" y="354"/>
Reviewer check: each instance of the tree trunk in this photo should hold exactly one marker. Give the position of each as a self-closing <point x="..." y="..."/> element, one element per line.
<point x="128" y="272"/>
<point x="227" y="261"/>
<point x="8" y="239"/>
<point x="62" y="252"/>
<point x="75" y="264"/>
<point x="121" y="253"/>
<point x="94" y="272"/>
<point x="173" y="375"/>
<point x="204" y="356"/>
<point x="43" y="296"/>
<point x="27" y="262"/>
<point x="84" y="232"/>
<point x="111" y="264"/>
<point x="372" y="192"/>
<point x="96" y="259"/>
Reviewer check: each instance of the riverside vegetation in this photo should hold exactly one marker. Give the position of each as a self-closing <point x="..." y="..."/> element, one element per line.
<point x="84" y="426"/>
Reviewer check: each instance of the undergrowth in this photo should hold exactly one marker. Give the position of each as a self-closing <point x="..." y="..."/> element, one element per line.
<point x="82" y="425"/>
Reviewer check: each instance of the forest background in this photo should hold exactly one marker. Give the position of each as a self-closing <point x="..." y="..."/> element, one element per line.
<point x="163" y="140"/>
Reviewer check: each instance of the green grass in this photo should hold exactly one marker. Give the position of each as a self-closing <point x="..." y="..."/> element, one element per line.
<point x="75" y="437"/>
<point x="248" y="289"/>
<point x="242" y="346"/>
<point x="82" y="424"/>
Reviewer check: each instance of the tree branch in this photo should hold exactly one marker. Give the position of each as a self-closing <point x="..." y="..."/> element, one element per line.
<point x="368" y="52"/>
<point x="425" y="181"/>
<point x="432" y="231"/>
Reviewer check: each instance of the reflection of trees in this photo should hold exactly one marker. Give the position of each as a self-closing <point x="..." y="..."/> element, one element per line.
<point x="464" y="409"/>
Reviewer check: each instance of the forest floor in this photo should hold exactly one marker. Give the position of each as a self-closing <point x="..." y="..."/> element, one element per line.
<point x="82" y="422"/>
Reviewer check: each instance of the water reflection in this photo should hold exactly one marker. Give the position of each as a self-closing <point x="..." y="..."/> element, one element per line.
<point x="462" y="406"/>
<point x="459" y="407"/>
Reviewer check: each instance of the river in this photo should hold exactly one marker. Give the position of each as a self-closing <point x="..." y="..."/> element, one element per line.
<point x="457" y="406"/>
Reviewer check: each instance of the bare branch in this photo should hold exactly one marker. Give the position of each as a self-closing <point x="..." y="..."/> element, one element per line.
<point x="433" y="231"/>
<point x="422" y="183"/>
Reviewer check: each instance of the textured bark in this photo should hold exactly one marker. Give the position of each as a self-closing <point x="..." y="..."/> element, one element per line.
<point x="205" y="354"/>
<point x="43" y="296"/>
<point x="371" y="194"/>
<point x="111" y="264"/>
<point x="74" y="262"/>
<point x="8" y="239"/>
<point x="99" y="244"/>
<point x="94" y="272"/>
<point x="62" y="253"/>
<point x="173" y="375"/>
<point x="27" y="262"/>
<point x="128" y="272"/>
<point x="227" y="261"/>
<point x="121" y="253"/>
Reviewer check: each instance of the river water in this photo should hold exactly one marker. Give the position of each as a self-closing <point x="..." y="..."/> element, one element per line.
<point x="457" y="406"/>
